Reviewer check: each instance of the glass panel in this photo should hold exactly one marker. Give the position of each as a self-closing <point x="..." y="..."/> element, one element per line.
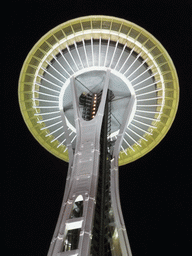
<point x="96" y="24"/>
<point x="133" y="33"/>
<point x="68" y="31"/>
<point x="51" y="40"/>
<point x="77" y="210"/>
<point x="71" y="240"/>
<point x="77" y="27"/>
<point x="86" y="25"/>
<point x="115" y="26"/>
<point x="106" y="24"/>
<point x="125" y="29"/>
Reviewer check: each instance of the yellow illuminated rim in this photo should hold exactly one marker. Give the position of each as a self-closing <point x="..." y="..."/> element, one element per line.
<point x="100" y="26"/>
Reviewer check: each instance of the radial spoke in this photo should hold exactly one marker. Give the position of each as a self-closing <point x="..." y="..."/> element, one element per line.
<point x="141" y="73"/>
<point x="50" y="125"/>
<point x="45" y="107"/>
<point x="100" y="51"/>
<point x="143" y="106"/>
<point x="142" y="88"/>
<point x="60" y="63"/>
<point x="144" y="79"/>
<point x="50" y="101"/>
<point x="123" y="150"/>
<point x="137" y="127"/>
<point x="57" y="70"/>
<point x="128" y="144"/>
<point x="154" y="98"/>
<point x="61" y="143"/>
<point x="72" y="57"/>
<point x="92" y="51"/>
<point x="73" y="138"/>
<point x="152" y="112"/>
<point x="132" y="63"/>
<point x="85" y="53"/>
<point x="113" y="53"/>
<point x="126" y="59"/>
<point x="61" y="127"/>
<point x="133" y="139"/>
<point x="146" y="93"/>
<point x="47" y="113"/>
<point x="141" y="137"/>
<point x="57" y="137"/>
<point x="78" y="54"/>
<point x="45" y="87"/>
<point x="137" y="68"/>
<point x="45" y="70"/>
<point x="148" y="118"/>
<point x="149" y="125"/>
<point x="67" y="63"/>
<point x="47" y="94"/>
<point x="49" y="81"/>
<point x="47" y="120"/>
<point x="106" y="52"/>
<point x="120" y="56"/>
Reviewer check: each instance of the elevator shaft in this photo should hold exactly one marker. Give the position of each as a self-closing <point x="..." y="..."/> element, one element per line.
<point x="101" y="232"/>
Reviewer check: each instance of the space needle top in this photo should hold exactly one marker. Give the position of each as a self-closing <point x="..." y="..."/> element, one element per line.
<point x="86" y="47"/>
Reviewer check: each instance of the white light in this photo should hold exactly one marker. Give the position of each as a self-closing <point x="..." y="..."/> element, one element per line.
<point x="74" y="225"/>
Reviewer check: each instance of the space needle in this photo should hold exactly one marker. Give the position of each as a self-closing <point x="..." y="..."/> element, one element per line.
<point x="97" y="92"/>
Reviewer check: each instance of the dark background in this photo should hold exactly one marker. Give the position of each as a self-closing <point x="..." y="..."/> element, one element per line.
<point x="154" y="190"/>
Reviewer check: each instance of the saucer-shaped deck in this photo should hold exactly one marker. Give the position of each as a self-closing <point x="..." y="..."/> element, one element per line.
<point x="85" y="48"/>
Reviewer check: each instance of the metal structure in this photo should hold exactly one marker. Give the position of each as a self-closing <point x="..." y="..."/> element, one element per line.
<point x="97" y="92"/>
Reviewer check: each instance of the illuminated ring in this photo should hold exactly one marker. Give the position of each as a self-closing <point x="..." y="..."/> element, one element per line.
<point x="74" y="48"/>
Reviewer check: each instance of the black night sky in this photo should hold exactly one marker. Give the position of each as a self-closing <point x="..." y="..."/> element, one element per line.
<point x="154" y="190"/>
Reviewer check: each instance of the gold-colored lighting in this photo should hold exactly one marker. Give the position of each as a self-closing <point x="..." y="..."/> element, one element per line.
<point x="105" y="28"/>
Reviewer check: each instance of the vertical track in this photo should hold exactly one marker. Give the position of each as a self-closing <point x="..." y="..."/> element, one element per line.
<point x="101" y="232"/>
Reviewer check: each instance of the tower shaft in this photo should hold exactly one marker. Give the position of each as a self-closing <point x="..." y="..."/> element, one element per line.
<point x="91" y="206"/>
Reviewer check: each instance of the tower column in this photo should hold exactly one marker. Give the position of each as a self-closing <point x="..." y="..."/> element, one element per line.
<point x="73" y="235"/>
